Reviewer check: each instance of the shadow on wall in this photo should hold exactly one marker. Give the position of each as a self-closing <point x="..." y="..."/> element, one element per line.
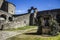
<point x="1" y="27"/>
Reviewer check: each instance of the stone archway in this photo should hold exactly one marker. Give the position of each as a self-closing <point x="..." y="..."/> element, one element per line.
<point x="3" y="16"/>
<point x="31" y="10"/>
<point x="33" y="14"/>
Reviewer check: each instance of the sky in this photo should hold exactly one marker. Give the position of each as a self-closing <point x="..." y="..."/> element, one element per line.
<point x="23" y="5"/>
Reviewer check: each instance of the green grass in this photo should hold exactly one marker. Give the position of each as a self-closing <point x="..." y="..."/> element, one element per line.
<point x="35" y="38"/>
<point x="21" y="28"/>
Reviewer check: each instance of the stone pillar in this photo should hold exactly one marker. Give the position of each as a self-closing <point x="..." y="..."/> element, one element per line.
<point x="35" y="15"/>
<point x="6" y="19"/>
<point x="35" y="12"/>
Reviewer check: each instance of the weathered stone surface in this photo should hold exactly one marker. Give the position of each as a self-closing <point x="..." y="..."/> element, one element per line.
<point x="8" y="20"/>
<point x="1" y="2"/>
<point x="11" y="8"/>
<point x="20" y="21"/>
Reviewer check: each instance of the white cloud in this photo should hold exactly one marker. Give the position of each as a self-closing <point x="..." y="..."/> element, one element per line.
<point x="20" y="11"/>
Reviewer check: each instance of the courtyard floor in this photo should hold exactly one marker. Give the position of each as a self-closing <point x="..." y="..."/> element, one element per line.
<point x="31" y="35"/>
<point x="5" y="34"/>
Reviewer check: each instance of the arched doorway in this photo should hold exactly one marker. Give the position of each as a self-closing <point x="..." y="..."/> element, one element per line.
<point x="32" y="20"/>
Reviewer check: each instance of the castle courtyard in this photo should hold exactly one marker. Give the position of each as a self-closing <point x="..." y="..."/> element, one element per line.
<point x="30" y="25"/>
<point x="31" y="35"/>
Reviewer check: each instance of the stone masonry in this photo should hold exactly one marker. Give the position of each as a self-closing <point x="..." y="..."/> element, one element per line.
<point x="8" y="18"/>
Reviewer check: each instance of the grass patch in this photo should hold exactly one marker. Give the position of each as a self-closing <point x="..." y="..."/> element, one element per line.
<point x="21" y="28"/>
<point x="33" y="37"/>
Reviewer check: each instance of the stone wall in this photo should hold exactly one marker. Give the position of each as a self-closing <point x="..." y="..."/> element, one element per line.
<point x="19" y="21"/>
<point x="45" y="18"/>
<point x="1" y="2"/>
<point x="8" y="7"/>
<point x="4" y="18"/>
<point x="4" y="6"/>
<point x="11" y="8"/>
<point x="22" y="20"/>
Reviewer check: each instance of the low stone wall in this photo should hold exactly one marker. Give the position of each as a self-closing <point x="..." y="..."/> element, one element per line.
<point x="20" y="21"/>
